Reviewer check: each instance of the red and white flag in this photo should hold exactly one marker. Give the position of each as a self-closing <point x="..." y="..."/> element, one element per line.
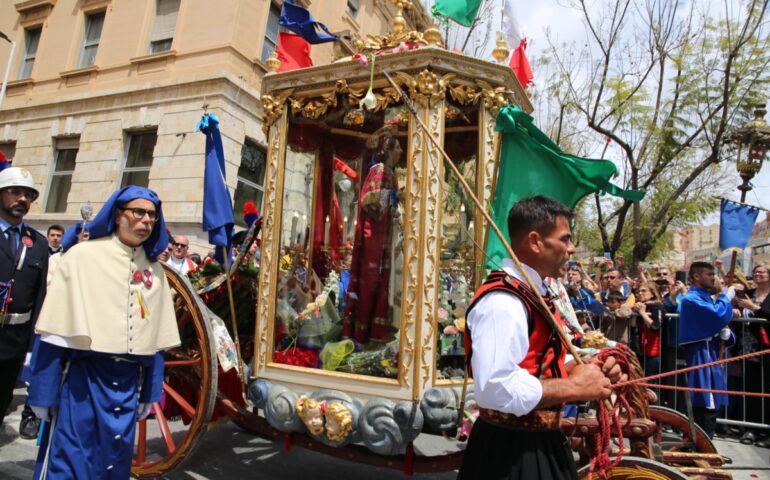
<point x="518" y="41"/>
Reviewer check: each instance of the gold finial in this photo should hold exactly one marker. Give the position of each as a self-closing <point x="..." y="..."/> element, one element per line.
<point x="399" y="22"/>
<point x="272" y="62"/>
<point x="501" y="51"/>
<point x="432" y="35"/>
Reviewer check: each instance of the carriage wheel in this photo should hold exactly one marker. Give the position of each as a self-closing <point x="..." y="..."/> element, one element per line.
<point x="637" y="468"/>
<point x="189" y="387"/>
<point x="681" y="437"/>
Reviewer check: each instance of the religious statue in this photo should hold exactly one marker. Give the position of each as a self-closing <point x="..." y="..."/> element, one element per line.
<point x="365" y="318"/>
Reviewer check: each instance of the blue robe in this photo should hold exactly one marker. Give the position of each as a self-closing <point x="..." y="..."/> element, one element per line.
<point x="700" y="322"/>
<point x="97" y="401"/>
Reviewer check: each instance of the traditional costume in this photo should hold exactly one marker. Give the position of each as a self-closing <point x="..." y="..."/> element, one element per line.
<point x="701" y="320"/>
<point x="108" y="317"/>
<point x="511" y="347"/>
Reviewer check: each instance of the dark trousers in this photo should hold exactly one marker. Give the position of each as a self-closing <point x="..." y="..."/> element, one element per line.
<point x="9" y="373"/>
<point x="706" y="418"/>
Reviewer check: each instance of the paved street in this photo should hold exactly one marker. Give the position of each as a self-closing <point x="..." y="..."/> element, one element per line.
<point x="229" y="452"/>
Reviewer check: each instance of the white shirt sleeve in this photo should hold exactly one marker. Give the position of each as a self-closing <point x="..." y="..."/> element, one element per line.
<point x="500" y="339"/>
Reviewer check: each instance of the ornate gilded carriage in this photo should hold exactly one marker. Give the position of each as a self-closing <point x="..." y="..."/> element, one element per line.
<point x="338" y="204"/>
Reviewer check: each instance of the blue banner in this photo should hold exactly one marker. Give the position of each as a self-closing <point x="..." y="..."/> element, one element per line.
<point x="300" y="21"/>
<point x="218" y="216"/>
<point x="735" y="225"/>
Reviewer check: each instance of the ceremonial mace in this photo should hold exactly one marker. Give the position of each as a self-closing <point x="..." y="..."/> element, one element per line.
<point x="86" y="212"/>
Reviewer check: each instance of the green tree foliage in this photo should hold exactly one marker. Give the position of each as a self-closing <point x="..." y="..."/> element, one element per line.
<point x="657" y="87"/>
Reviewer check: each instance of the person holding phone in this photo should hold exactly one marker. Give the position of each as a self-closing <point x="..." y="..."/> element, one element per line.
<point x="754" y="337"/>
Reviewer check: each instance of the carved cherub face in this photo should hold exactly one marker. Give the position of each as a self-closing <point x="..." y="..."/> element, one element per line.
<point x="310" y="411"/>
<point x="339" y="421"/>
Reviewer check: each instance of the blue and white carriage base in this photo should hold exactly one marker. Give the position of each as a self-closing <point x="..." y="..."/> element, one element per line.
<point x="352" y="332"/>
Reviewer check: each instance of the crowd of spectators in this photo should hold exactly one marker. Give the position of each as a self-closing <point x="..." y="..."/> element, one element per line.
<point x="641" y="309"/>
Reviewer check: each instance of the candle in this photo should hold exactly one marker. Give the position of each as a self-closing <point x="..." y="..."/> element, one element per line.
<point x="463" y="217"/>
<point x="326" y="231"/>
<point x="303" y="232"/>
<point x="294" y="220"/>
<point x="470" y="229"/>
<point x="345" y="229"/>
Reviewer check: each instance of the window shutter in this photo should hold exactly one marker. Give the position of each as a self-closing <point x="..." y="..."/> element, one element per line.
<point x="165" y="20"/>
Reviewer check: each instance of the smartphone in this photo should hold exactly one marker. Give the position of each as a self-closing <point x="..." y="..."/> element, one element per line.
<point x="607" y="256"/>
<point x="742" y="294"/>
<point x="572" y="264"/>
<point x="680" y="276"/>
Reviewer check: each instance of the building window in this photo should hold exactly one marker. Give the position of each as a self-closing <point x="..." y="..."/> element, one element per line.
<point x="65" y="152"/>
<point x="353" y="7"/>
<point x="9" y="150"/>
<point x="271" y="32"/>
<point x="139" y="158"/>
<point x="165" y="23"/>
<point x="93" y="33"/>
<point x="251" y="178"/>
<point x="31" y="41"/>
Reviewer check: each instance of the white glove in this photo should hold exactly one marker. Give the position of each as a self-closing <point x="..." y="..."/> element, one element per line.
<point x="142" y="410"/>
<point x="43" y="413"/>
<point x="730" y="292"/>
<point x="28" y="359"/>
<point x="725" y="333"/>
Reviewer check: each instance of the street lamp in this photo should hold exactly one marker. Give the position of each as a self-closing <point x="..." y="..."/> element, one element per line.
<point x="8" y="67"/>
<point x="752" y="141"/>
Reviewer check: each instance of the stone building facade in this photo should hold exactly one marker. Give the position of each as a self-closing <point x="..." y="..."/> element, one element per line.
<point x="108" y="92"/>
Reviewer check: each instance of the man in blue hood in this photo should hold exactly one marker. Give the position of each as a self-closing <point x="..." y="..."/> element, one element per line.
<point x="98" y="363"/>
<point x="702" y="329"/>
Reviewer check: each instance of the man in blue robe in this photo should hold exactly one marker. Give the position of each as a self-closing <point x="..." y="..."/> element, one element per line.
<point x="97" y="365"/>
<point x="702" y="331"/>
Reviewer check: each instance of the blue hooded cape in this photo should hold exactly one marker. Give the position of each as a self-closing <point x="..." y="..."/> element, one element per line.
<point x="103" y="223"/>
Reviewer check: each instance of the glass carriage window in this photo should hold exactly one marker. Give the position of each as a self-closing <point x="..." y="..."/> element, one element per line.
<point x="457" y="271"/>
<point x="340" y="277"/>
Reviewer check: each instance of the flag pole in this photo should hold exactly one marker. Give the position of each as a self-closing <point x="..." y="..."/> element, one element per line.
<point x="549" y="315"/>
<point x="241" y="366"/>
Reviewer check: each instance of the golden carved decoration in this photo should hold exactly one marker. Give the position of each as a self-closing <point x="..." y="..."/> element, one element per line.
<point x="432" y="35"/>
<point x="501" y="50"/>
<point x="272" y="62"/>
<point x="268" y="259"/>
<point x="431" y="223"/>
<point x="412" y="255"/>
<point x="494" y="97"/>
<point x="399" y="23"/>
<point x="427" y="88"/>
<point x="273" y="107"/>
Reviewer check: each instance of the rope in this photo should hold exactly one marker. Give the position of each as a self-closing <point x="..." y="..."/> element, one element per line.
<point x="703" y="390"/>
<point x="610" y="419"/>
<point x="689" y="369"/>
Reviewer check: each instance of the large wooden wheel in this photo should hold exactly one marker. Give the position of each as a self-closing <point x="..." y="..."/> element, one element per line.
<point x="190" y="390"/>
<point x="681" y="439"/>
<point x="637" y="468"/>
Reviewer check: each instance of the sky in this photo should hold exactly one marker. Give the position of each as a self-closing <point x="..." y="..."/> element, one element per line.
<point x="565" y="23"/>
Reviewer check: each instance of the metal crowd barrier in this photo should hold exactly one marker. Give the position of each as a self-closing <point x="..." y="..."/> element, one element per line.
<point x="750" y="375"/>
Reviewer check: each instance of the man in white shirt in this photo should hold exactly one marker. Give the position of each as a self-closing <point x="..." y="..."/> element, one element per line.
<point x="518" y="362"/>
<point x="179" y="260"/>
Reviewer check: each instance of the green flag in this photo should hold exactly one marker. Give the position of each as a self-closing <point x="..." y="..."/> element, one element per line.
<point x="531" y="164"/>
<point x="461" y="11"/>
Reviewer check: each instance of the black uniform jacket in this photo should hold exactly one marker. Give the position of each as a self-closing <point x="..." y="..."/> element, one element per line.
<point x="28" y="289"/>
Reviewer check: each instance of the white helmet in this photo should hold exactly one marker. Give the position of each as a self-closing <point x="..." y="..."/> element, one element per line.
<point x="17" y="177"/>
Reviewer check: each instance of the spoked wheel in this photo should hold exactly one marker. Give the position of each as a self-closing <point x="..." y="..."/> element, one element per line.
<point x="637" y="468"/>
<point x="680" y="438"/>
<point x="189" y="390"/>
